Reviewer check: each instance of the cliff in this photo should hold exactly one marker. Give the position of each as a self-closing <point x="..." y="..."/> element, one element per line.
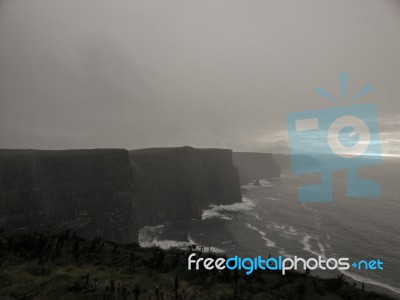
<point x="305" y="163"/>
<point x="89" y="191"/>
<point x="253" y="165"/>
<point x="110" y="192"/>
<point x="177" y="183"/>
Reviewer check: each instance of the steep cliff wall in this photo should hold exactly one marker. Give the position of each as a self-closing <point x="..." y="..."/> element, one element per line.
<point x="252" y="166"/>
<point x="177" y="183"/>
<point x="89" y="191"/>
<point x="111" y="192"/>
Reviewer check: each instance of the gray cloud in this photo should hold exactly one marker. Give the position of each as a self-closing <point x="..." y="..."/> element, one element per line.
<point x="132" y="74"/>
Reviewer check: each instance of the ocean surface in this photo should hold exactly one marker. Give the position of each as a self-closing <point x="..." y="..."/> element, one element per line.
<point x="271" y="220"/>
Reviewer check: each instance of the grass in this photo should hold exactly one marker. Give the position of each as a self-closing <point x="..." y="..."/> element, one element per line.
<point x="65" y="266"/>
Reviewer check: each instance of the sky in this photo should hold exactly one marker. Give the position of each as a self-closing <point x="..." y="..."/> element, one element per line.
<point x="205" y="73"/>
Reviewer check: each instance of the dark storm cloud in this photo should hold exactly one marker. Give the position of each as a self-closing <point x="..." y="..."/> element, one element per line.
<point x="135" y="74"/>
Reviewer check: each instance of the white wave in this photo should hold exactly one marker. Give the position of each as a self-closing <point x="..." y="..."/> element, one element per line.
<point x="292" y="230"/>
<point x="147" y="234"/>
<point x="256" y="216"/>
<point x="148" y="242"/>
<point x="157" y="228"/>
<point x="321" y="248"/>
<point x="278" y="226"/>
<point x="246" y="204"/>
<point x="285" y="229"/>
<point x="371" y="281"/>
<point x="227" y="242"/>
<point x="307" y="246"/>
<point x="166" y="244"/>
<point x="190" y="239"/>
<point x="215" y="210"/>
<point x="271" y="198"/>
<point x="209" y="214"/>
<point x="263" y="183"/>
<point x="268" y="243"/>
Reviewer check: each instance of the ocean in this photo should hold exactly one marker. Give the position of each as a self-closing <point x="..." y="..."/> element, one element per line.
<point x="271" y="221"/>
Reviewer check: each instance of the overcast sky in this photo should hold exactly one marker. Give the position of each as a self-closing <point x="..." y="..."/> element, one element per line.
<point x="205" y="73"/>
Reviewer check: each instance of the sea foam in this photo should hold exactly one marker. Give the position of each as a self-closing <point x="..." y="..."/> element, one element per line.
<point x="215" y="210"/>
<point x="263" y="234"/>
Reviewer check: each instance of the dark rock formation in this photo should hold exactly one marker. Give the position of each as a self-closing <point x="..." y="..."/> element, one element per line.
<point x="89" y="191"/>
<point x="253" y="166"/>
<point x="177" y="183"/>
<point x="304" y="162"/>
<point x="111" y="192"/>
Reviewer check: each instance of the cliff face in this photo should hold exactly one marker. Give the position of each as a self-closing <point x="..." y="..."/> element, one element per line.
<point x="111" y="192"/>
<point x="177" y="183"/>
<point x="305" y="163"/>
<point x="252" y="166"/>
<point x="89" y="191"/>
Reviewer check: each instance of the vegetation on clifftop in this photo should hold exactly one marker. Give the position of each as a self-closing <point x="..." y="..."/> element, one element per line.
<point x="66" y="266"/>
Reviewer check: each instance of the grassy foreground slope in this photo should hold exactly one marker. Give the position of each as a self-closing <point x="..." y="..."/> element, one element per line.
<point x="65" y="266"/>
